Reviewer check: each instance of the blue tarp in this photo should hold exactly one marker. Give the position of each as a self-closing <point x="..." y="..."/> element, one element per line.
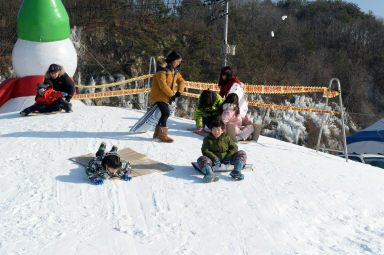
<point x="366" y="136"/>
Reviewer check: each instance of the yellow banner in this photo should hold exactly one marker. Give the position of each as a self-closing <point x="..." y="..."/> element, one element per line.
<point x="248" y="88"/>
<point x="114" y="93"/>
<point x="146" y="90"/>
<point x="292" y="108"/>
<point x="143" y="77"/>
<point x="275" y="106"/>
<point x="266" y="89"/>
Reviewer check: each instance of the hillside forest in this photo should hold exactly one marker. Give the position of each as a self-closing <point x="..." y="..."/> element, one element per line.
<point x="317" y="41"/>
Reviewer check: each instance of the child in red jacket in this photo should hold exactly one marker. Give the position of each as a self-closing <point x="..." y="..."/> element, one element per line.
<point x="47" y="100"/>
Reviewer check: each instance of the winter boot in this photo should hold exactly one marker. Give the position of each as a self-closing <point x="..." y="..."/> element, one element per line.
<point x="231" y="131"/>
<point x="24" y="113"/>
<point x="163" y="135"/>
<point x="256" y="132"/>
<point x="156" y="133"/>
<point x="101" y="150"/>
<point x="209" y="175"/>
<point x="67" y="107"/>
<point x="114" y="149"/>
<point x="236" y="173"/>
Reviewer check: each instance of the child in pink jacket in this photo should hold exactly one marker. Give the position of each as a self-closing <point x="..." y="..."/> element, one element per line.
<point x="231" y="115"/>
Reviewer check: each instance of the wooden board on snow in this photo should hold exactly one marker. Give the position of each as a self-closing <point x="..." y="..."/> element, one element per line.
<point x="141" y="164"/>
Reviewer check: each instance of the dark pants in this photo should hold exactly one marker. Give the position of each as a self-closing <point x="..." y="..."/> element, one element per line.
<point x="55" y="106"/>
<point x="207" y="121"/>
<point x="164" y="109"/>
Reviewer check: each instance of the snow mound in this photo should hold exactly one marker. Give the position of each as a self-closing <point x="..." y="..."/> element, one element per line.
<point x="296" y="201"/>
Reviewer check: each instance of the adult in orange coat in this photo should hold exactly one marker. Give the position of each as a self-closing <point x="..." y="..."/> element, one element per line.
<point x="164" y="92"/>
<point x="47" y="100"/>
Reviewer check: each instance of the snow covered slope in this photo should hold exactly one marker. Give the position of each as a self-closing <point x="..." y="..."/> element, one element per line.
<point x="296" y="201"/>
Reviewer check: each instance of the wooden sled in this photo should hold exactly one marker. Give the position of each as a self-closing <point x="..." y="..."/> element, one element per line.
<point x="43" y="113"/>
<point x="223" y="168"/>
<point x="141" y="164"/>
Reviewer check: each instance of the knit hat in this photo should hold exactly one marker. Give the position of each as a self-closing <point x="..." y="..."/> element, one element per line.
<point x="40" y="85"/>
<point x="53" y="68"/>
<point x="173" y="56"/>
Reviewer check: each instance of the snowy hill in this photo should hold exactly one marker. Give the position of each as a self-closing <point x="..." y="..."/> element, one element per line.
<point x="296" y="201"/>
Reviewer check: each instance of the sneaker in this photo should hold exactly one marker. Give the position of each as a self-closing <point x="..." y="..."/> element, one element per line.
<point x="236" y="175"/>
<point x="101" y="149"/>
<point x="114" y="149"/>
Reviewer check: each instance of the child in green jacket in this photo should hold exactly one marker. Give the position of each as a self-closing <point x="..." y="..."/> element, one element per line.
<point x="207" y="109"/>
<point x="219" y="148"/>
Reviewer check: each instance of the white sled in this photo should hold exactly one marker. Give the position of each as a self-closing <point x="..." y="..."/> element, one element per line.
<point x="224" y="168"/>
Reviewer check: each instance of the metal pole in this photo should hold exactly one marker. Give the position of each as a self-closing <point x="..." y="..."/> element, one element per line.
<point x="325" y="117"/>
<point x="342" y="118"/>
<point x="225" y="33"/>
<point x="152" y="60"/>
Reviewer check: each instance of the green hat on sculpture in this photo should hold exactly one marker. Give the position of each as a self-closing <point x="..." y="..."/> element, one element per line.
<point x="43" y="21"/>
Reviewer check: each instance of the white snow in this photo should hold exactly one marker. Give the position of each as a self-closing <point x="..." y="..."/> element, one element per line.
<point x="296" y="201"/>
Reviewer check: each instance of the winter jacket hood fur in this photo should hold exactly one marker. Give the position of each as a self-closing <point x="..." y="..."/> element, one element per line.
<point x="62" y="83"/>
<point x="224" y="88"/>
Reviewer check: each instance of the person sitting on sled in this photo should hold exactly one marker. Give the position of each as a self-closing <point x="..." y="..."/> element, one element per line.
<point x="107" y="165"/>
<point x="218" y="148"/>
<point x="237" y="127"/>
<point x="60" y="80"/>
<point x="47" y="100"/>
<point x="207" y="109"/>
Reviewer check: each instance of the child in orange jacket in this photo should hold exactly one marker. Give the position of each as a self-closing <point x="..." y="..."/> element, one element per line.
<point x="47" y="100"/>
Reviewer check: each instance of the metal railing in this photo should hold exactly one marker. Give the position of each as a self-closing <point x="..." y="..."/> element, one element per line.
<point x="325" y="119"/>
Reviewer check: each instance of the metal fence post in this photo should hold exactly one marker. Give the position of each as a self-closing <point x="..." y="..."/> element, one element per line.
<point x="152" y="64"/>
<point x="325" y="119"/>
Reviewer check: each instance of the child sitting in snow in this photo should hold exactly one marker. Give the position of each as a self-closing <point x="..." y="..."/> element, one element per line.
<point x="219" y="148"/>
<point x="207" y="109"/>
<point x="47" y="100"/>
<point x="235" y="127"/>
<point x="107" y="165"/>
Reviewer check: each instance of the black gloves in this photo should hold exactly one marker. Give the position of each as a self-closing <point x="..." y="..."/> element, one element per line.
<point x="173" y="98"/>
